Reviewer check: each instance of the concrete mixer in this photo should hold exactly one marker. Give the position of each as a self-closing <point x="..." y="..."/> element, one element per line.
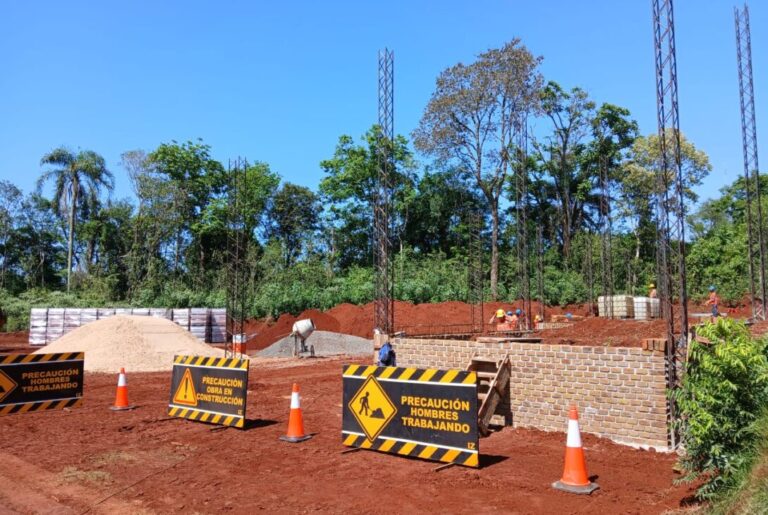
<point x="301" y="331"/>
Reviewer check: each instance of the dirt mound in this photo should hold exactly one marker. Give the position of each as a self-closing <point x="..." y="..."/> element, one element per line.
<point x="140" y="344"/>
<point x="353" y="319"/>
<point x="457" y="317"/>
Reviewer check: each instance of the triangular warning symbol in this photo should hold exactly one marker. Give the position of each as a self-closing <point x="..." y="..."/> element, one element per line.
<point x="185" y="393"/>
<point x="7" y="385"/>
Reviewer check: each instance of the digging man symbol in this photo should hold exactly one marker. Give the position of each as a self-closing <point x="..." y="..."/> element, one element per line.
<point x="364" y="405"/>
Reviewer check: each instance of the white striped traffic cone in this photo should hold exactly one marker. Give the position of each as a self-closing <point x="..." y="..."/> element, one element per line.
<point x="295" y="432"/>
<point x="575" y="479"/>
<point x="121" y="397"/>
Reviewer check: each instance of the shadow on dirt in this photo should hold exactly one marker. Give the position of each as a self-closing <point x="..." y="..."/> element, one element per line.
<point x="256" y="423"/>
<point x="489" y="460"/>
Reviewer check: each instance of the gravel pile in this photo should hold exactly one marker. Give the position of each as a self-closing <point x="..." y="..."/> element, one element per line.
<point x="140" y="344"/>
<point x="325" y="343"/>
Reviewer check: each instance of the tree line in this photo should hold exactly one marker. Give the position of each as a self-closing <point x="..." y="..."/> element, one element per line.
<point x="168" y="245"/>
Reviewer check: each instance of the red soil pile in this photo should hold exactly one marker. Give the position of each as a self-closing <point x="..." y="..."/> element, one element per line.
<point x="266" y="335"/>
<point x="353" y="319"/>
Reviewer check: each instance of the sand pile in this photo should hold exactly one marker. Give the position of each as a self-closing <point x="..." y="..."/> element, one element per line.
<point x="140" y="344"/>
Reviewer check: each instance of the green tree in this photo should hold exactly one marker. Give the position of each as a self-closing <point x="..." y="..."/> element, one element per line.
<point x="568" y="182"/>
<point x="637" y="188"/>
<point x="77" y="180"/>
<point x="10" y="204"/>
<point x="348" y="189"/>
<point x="293" y="218"/>
<point x="439" y="213"/>
<point x="193" y="178"/>
<point x="471" y="119"/>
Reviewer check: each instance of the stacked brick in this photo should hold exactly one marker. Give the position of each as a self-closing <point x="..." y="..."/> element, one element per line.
<point x="620" y="392"/>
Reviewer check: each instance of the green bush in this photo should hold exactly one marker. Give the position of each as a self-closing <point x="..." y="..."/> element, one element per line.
<point x="723" y="394"/>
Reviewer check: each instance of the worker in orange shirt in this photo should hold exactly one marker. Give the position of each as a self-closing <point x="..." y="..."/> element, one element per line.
<point x="713" y="301"/>
<point x="512" y="320"/>
<point x="498" y="317"/>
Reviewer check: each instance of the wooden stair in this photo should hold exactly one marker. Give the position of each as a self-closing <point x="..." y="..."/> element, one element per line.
<point x="492" y="378"/>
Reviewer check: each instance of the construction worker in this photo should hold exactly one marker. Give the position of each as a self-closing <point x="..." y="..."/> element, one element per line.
<point x="713" y="301"/>
<point x="537" y="320"/>
<point x="387" y="355"/>
<point x="512" y="320"/>
<point x="521" y="321"/>
<point x="498" y="318"/>
<point x="652" y="291"/>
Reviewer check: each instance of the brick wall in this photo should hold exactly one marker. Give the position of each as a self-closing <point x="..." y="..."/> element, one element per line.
<point x="620" y="392"/>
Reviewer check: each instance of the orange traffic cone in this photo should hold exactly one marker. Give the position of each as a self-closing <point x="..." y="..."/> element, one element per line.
<point x="121" y="397"/>
<point x="295" y="420"/>
<point x="575" y="479"/>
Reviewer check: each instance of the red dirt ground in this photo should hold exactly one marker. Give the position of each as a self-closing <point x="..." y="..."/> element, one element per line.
<point x="98" y="461"/>
<point x="456" y="317"/>
<point x="15" y="342"/>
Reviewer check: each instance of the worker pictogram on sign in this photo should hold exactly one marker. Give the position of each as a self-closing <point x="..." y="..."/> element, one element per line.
<point x="185" y="393"/>
<point x="372" y="408"/>
<point x="7" y="385"/>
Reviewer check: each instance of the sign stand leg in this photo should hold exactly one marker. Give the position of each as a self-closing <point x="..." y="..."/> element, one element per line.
<point x="443" y="467"/>
<point x="351" y="450"/>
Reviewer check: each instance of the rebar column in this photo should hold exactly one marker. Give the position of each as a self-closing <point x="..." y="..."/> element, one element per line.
<point x="475" y="277"/>
<point x="383" y="269"/>
<point x="521" y="210"/>
<point x="670" y="205"/>
<point x="753" y="197"/>
<point x="606" y="235"/>
<point x="237" y="247"/>
<point x="540" y="269"/>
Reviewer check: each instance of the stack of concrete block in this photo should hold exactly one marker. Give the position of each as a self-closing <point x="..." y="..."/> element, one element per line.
<point x="38" y="322"/>
<point x="49" y="324"/>
<point x="71" y="319"/>
<point x="160" y="313"/>
<point x="616" y="306"/>
<point x="642" y="308"/>
<point x="55" y="327"/>
<point x="181" y="317"/>
<point x="88" y="315"/>
<point x="198" y="323"/>
<point x="106" y="312"/>
<point x="217" y="322"/>
<point x="655" y="308"/>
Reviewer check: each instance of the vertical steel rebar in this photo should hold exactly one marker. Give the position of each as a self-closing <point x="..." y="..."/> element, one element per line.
<point x="756" y="249"/>
<point x="475" y="276"/>
<point x="237" y="246"/>
<point x="606" y="236"/>
<point x="670" y="201"/>
<point x="384" y="271"/>
<point x="521" y="211"/>
<point x="540" y="269"/>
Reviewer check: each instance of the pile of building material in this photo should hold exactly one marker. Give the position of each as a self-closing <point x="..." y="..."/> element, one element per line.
<point x="137" y="343"/>
<point x="626" y="306"/>
<point x="324" y="343"/>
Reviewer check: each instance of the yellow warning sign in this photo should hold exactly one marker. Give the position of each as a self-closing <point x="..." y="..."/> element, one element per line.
<point x="185" y="393"/>
<point x="372" y="408"/>
<point x="7" y="385"/>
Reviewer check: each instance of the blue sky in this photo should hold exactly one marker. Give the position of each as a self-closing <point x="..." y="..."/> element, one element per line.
<point x="279" y="82"/>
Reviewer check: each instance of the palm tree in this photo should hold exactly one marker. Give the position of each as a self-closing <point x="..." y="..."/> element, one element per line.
<point x="78" y="178"/>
